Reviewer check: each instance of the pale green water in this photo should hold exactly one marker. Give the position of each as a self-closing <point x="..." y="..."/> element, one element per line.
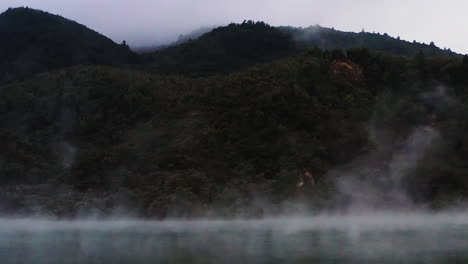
<point x="397" y="238"/>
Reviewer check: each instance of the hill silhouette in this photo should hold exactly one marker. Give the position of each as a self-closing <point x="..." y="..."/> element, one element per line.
<point x="34" y="41"/>
<point x="329" y="38"/>
<point x="230" y="48"/>
<point x="224" y="49"/>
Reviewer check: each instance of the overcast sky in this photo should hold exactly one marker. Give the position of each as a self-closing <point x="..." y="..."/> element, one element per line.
<point x="146" y="22"/>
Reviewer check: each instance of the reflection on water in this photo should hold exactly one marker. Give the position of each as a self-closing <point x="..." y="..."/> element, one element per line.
<point x="386" y="238"/>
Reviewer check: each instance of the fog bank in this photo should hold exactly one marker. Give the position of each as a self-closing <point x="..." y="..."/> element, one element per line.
<point x="371" y="238"/>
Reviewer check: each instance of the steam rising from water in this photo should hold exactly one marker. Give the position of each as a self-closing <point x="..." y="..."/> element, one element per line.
<point x="378" y="181"/>
<point x="371" y="186"/>
<point x="68" y="154"/>
<point x="378" y="238"/>
<point x="374" y="183"/>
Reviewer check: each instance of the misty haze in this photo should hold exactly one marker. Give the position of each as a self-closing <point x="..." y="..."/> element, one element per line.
<point x="233" y="132"/>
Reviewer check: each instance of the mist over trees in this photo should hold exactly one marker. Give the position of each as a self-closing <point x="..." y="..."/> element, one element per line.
<point x="224" y="123"/>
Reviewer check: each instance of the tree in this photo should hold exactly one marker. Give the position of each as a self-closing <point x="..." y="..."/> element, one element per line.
<point x="465" y="61"/>
<point x="420" y="58"/>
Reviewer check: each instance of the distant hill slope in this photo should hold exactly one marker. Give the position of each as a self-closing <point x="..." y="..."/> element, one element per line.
<point x="233" y="47"/>
<point x="327" y="38"/>
<point x="35" y="41"/>
<point x="193" y="34"/>
<point x="225" y="49"/>
<point x="180" y="40"/>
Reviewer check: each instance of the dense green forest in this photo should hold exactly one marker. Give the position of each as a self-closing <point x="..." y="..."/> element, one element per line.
<point x="222" y="125"/>
<point x="233" y="47"/>
<point x="329" y="38"/>
<point x="34" y="41"/>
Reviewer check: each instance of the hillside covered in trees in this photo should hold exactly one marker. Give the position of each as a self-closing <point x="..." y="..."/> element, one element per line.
<point x="230" y="48"/>
<point x="169" y="136"/>
<point x="34" y="41"/>
<point x="329" y="38"/>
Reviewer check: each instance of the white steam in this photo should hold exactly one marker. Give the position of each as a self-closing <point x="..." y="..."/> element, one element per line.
<point x="68" y="154"/>
<point x="371" y="186"/>
<point x="377" y="180"/>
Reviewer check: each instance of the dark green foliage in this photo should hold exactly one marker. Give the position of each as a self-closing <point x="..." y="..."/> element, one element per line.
<point x="230" y="48"/>
<point x="225" y="49"/>
<point x="172" y="145"/>
<point x="327" y="38"/>
<point x="143" y="132"/>
<point x="34" y="41"/>
<point x="184" y="144"/>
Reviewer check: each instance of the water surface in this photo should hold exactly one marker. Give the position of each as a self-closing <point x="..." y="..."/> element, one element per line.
<point x="378" y="238"/>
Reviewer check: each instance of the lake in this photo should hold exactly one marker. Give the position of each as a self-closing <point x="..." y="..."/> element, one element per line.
<point x="368" y="238"/>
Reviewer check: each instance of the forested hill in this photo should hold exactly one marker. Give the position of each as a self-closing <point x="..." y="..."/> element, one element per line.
<point x="96" y="139"/>
<point x="34" y="41"/>
<point x="230" y="48"/>
<point x="329" y="38"/>
<point x="224" y="50"/>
